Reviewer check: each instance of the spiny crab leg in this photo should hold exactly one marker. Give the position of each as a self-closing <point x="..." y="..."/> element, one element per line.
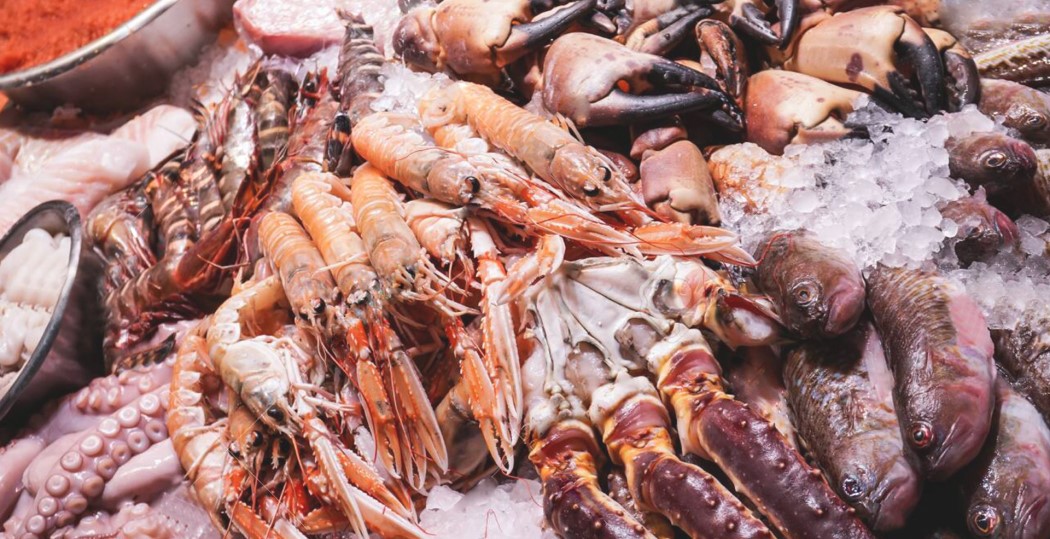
<point x="566" y="458"/>
<point x="637" y="432"/>
<point x="715" y="426"/>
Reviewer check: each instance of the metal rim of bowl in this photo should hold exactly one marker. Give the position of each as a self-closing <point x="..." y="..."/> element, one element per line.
<point x="70" y="60"/>
<point x="71" y="218"/>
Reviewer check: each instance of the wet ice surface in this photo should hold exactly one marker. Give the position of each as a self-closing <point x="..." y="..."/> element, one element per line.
<point x="511" y="510"/>
<point x="878" y="201"/>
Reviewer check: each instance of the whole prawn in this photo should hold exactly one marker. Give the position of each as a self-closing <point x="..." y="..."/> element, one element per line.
<point x="399" y="413"/>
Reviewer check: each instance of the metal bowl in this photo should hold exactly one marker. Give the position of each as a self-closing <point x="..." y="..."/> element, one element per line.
<point x="70" y="349"/>
<point x="127" y="66"/>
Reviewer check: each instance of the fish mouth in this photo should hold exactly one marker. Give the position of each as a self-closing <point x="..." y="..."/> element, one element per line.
<point x="845" y="306"/>
<point x="896" y="498"/>
<point x="1034" y="519"/>
<point x="957" y="449"/>
<point x="1007" y="229"/>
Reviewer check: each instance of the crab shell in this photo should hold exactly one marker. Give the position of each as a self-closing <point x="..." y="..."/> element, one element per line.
<point x="784" y="107"/>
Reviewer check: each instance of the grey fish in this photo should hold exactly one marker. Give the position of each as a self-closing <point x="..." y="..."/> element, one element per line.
<point x="841" y="396"/>
<point x="1007" y="488"/>
<point x="940" y="352"/>
<point x="818" y="291"/>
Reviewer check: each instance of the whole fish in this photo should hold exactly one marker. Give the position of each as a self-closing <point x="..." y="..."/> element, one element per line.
<point x="940" y="352"/>
<point x="1022" y="108"/>
<point x="818" y="291"/>
<point x="983" y="229"/>
<point x="991" y="160"/>
<point x="841" y="397"/>
<point x="1024" y="354"/>
<point x="1007" y="488"/>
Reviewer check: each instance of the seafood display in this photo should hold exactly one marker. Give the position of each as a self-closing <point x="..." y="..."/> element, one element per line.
<point x="573" y="268"/>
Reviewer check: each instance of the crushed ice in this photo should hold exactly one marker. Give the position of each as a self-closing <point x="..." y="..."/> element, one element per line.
<point x="878" y="200"/>
<point x="511" y="510"/>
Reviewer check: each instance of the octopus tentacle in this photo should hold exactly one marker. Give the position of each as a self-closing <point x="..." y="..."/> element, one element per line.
<point x="82" y="472"/>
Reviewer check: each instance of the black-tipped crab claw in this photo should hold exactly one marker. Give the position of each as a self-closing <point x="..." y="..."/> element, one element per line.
<point x="596" y="81"/>
<point x="657" y="26"/>
<point x="963" y="80"/>
<point x="478" y="38"/>
<point x="751" y="18"/>
<point x="879" y="49"/>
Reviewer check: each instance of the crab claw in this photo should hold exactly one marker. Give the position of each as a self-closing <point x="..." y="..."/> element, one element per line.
<point x="662" y="33"/>
<point x="963" y="78"/>
<point x="784" y="108"/>
<point x="529" y="36"/>
<point x="720" y="47"/>
<point x="750" y="19"/>
<point x="596" y="81"/>
<point x="862" y="48"/>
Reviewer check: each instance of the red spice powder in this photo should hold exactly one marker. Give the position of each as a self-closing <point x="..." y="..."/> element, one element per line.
<point x="33" y="32"/>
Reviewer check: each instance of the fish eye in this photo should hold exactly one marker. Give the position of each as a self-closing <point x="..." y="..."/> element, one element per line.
<point x="851" y="487"/>
<point x="994" y="159"/>
<point x="606" y="174"/>
<point x="920" y="435"/>
<point x="1034" y="121"/>
<point x="805" y="293"/>
<point x="276" y="414"/>
<point x="984" y="520"/>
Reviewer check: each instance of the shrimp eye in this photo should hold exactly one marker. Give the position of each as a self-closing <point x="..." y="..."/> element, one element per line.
<point x="342" y="122"/>
<point x="234" y="452"/>
<point x="475" y="185"/>
<point x="805" y="293"/>
<point x="994" y="159"/>
<point x="591" y="191"/>
<point x="921" y="435"/>
<point x="276" y="414"/>
<point x="983" y="521"/>
<point x="606" y="174"/>
<point x="256" y="440"/>
<point x="318" y="305"/>
<point x="851" y="488"/>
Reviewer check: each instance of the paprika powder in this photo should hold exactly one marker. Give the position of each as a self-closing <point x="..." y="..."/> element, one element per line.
<point x="34" y="32"/>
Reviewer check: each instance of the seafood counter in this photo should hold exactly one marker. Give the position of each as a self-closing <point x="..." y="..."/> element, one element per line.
<point x="573" y="268"/>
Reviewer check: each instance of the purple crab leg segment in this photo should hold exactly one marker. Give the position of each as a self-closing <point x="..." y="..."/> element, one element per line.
<point x="748" y="448"/>
<point x="573" y="501"/>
